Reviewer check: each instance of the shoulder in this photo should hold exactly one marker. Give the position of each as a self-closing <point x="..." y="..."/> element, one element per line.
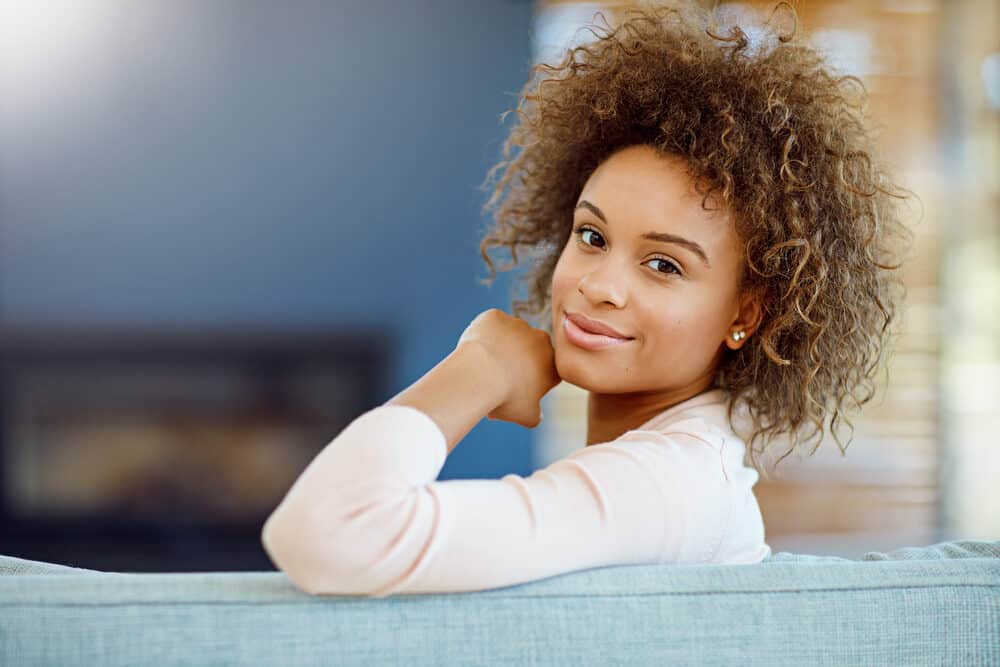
<point x="692" y="438"/>
<point x="690" y="451"/>
<point x="686" y="460"/>
<point x="706" y="463"/>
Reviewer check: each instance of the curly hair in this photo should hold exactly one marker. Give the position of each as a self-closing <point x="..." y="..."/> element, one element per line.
<point x="783" y="142"/>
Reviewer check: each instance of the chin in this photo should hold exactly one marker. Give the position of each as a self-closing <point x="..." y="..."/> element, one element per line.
<point x="568" y="371"/>
<point x="585" y="375"/>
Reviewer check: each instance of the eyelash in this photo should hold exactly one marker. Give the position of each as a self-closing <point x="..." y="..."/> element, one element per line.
<point x="583" y="228"/>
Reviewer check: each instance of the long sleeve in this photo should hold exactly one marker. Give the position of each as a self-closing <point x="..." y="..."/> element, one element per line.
<point x="367" y="516"/>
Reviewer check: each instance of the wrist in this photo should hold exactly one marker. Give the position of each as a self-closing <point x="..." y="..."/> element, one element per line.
<point x="487" y="371"/>
<point x="457" y="393"/>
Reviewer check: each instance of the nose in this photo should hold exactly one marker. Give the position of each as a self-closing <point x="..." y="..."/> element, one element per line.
<point x="604" y="284"/>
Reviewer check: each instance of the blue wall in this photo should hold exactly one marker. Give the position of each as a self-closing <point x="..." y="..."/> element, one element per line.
<point x="237" y="163"/>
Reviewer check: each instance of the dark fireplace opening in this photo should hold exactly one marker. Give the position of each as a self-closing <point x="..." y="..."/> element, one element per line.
<point x="166" y="451"/>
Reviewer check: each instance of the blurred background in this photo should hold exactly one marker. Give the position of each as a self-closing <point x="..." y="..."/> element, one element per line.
<point x="228" y="228"/>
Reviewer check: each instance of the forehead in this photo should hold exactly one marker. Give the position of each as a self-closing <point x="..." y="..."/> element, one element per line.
<point x="640" y="190"/>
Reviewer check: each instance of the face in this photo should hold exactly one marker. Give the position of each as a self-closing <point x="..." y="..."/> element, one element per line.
<point x="675" y="296"/>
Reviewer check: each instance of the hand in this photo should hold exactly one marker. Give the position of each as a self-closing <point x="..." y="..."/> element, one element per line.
<point x="524" y="364"/>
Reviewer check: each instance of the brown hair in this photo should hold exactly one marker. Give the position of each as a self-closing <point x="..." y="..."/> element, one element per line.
<point x="784" y="144"/>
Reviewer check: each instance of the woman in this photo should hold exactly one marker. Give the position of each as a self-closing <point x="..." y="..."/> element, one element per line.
<point x="711" y="244"/>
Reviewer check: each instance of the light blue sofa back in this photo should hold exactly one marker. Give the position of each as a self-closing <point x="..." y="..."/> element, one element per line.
<point x="931" y="605"/>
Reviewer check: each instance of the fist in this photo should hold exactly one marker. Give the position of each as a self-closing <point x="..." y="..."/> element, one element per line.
<point x="523" y="362"/>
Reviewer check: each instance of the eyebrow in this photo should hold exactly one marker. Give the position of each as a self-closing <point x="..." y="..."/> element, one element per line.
<point x="663" y="237"/>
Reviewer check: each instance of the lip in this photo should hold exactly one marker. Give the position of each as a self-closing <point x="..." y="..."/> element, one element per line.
<point x="587" y="339"/>
<point x="593" y="326"/>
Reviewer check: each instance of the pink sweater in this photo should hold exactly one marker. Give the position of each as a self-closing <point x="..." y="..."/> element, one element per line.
<point x="366" y="517"/>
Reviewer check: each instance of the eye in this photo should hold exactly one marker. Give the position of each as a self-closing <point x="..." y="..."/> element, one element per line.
<point x="581" y="230"/>
<point x="669" y="268"/>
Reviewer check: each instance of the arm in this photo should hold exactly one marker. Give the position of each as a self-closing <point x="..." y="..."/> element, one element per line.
<point x="367" y="517"/>
<point x="457" y="393"/>
<point x="382" y="453"/>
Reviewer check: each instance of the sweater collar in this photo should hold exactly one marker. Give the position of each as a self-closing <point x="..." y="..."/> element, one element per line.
<point x="710" y="405"/>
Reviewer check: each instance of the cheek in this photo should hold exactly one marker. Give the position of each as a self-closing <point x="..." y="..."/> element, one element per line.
<point x="665" y="326"/>
<point x="684" y="333"/>
<point x="674" y="325"/>
<point x="562" y="283"/>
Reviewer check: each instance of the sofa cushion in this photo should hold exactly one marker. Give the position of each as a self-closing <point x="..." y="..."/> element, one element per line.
<point x="941" y="550"/>
<point x="14" y="565"/>
<point x="939" y="608"/>
<point x="954" y="549"/>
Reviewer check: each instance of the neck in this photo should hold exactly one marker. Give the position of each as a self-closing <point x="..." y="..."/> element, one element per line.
<point x="611" y="415"/>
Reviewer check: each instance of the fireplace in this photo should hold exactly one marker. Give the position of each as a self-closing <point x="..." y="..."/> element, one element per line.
<point x="166" y="451"/>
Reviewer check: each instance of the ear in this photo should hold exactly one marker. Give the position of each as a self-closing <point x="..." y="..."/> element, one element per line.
<point x="747" y="319"/>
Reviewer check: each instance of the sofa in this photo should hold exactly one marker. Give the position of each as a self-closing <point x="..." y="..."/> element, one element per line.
<point x="931" y="605"/>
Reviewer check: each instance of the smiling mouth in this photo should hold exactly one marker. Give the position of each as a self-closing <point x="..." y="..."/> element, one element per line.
<point x="588" y="340"/>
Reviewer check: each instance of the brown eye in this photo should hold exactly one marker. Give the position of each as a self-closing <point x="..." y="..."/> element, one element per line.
<point x="579" y="231"/>
<point x="669" y="267"/>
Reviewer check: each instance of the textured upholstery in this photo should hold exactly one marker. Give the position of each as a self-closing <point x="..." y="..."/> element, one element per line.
<point x="932" y="605"/>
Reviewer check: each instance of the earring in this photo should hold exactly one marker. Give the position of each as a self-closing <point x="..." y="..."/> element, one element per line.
<point x="739" y="335"/>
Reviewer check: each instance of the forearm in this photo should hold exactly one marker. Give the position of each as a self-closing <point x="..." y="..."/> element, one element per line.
<point x="457" y="393"/>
